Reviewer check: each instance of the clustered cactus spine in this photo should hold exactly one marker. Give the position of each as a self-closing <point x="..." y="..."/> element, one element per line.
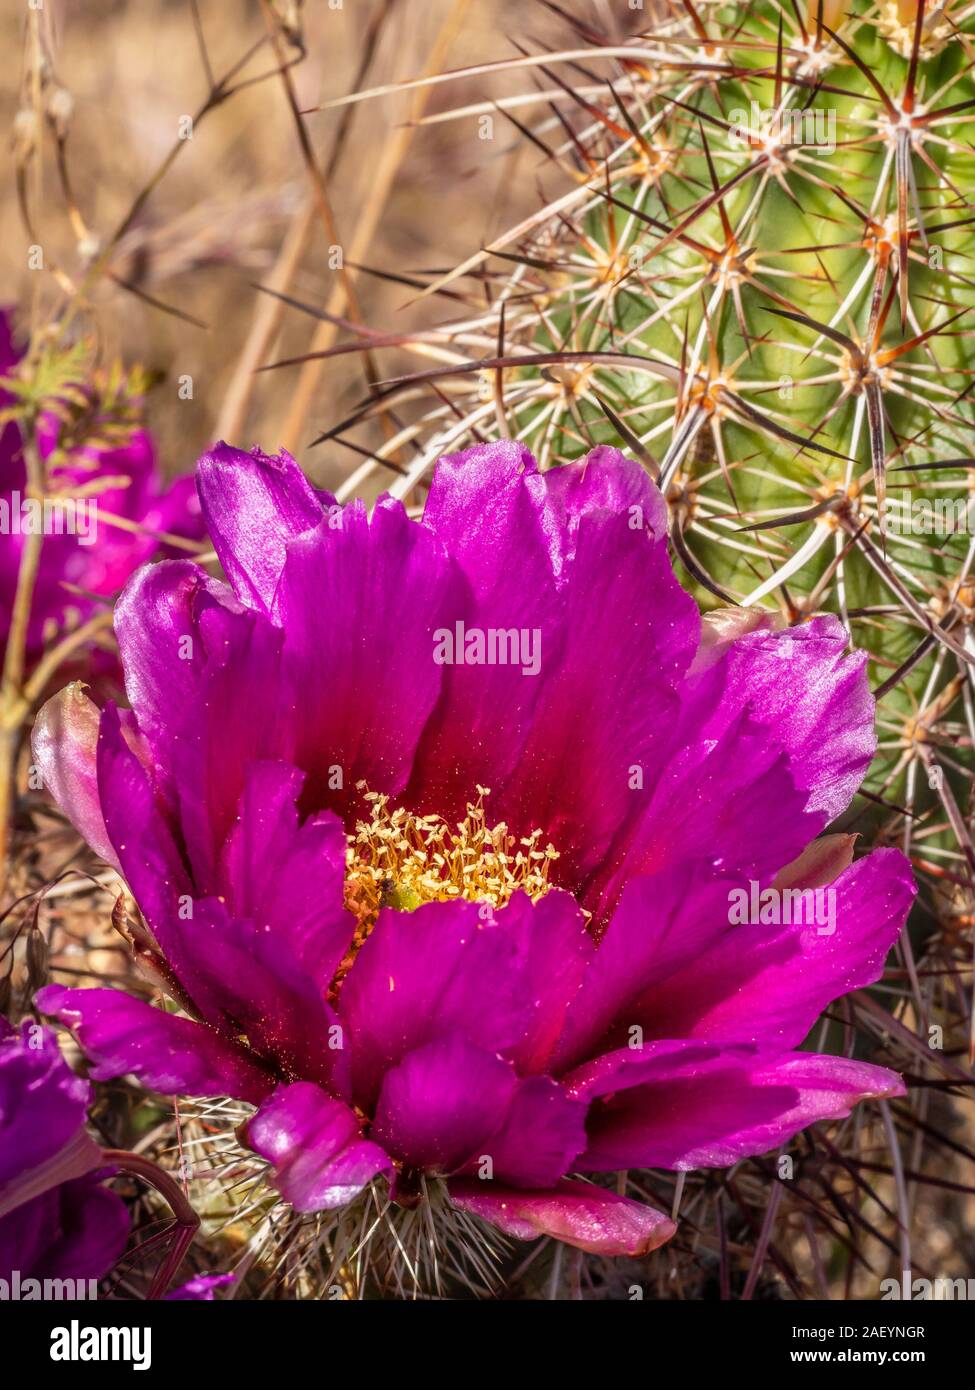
<point x="759" y="281"/>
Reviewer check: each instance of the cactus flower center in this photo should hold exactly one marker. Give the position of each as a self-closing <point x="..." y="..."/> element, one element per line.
<point x="400" y="860"/>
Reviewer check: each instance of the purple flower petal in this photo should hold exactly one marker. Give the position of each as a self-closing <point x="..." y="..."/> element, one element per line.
<point x="541" y="553"/>
<point x="726" y="1113"/>
<point x="669" y="1059"/>
<point x="780" y="719"/>
<point x="554" y="952"/>
<point x="487" y="507"/>
<point x="437" y="1108"/>
<point x="254" y="504"/>
<point x="681" y="821"/>
<point x="43" y="1104"/>
<point x="56" y="1220"/>
<point x="169" y="1054"/>
<point x="577" y="1213"/>
<point x="203" y="677"/>
<point x="451" y="1105"/>
<point x="319" y="1157"/>
<point x="812" y="697"/>
<point x="156" y="623"/>
<point x="257" y="986"/>
<point x="769" y="984"/>
<point x="76" y="1158"/>
<point x="77" y="1230"/>
<point x="144" y="846"/>
<point x="541" y="1135"/>
<point x="285" y="877"/>
<point x="629" y="633"/>
<point x="445" y="968"/>
<point x="663" y="920"/>
<point x="359" y="603"/>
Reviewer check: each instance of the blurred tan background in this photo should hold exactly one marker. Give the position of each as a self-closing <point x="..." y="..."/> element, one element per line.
<point x="237" y="205"/>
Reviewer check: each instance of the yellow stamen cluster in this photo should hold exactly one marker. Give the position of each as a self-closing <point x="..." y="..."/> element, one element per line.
<point x="400" y="860"/>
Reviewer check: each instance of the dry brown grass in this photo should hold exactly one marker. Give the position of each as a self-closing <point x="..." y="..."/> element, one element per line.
<point x="218" y="221"/>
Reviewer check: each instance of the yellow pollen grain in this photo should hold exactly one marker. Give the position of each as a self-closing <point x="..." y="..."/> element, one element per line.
<point x="398" y="859"/>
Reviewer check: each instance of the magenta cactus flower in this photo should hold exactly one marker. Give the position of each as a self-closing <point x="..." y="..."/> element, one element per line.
<point x="88" y="556"/>
<point x="57" y="1219"/>
<point x="471" y="854"/>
